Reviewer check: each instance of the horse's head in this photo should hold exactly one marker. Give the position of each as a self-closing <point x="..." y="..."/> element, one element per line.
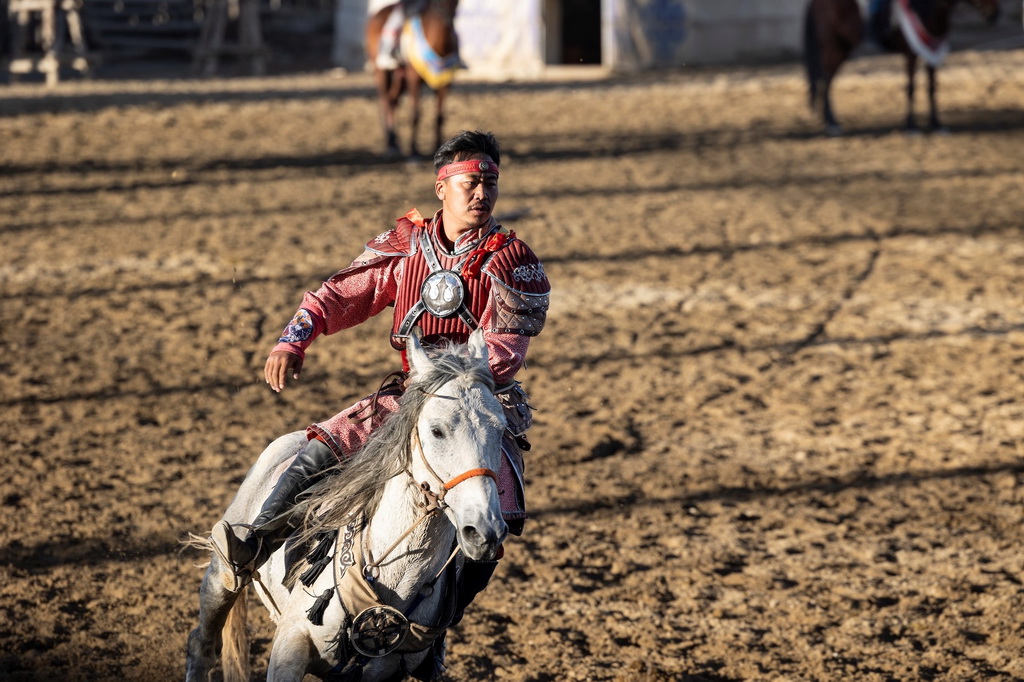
<point x="459" y="433"/>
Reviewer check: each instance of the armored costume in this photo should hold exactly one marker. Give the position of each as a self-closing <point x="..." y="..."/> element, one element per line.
<point x="489" y="280"/>
<point x="492" y="280"/>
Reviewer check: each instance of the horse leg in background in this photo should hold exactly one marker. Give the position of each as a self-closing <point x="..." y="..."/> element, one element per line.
<point x="441" y="95"/>
<point x="831" y="32"/>
<point x="205" y="641"/>
<point x="415" y="90"/>
<point x="388" y="91"/>
<point x="933" y="87"/>
<point x="812" y="53"/>
<point x="911" y="124"/>
<point x="832" y="59"/>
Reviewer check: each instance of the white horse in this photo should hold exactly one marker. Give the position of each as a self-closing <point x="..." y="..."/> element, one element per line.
<point x="389" y="526"/>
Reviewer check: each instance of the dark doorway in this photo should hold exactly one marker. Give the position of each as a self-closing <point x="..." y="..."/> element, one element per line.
<point x="581" y="31"/>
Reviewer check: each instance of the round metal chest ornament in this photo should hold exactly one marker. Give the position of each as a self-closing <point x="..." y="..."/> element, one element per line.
<point x="442" y="293"/>
<point x="378" y="631"/>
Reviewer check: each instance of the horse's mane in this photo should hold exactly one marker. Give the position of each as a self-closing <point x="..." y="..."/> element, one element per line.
<point x="352" y="489"/>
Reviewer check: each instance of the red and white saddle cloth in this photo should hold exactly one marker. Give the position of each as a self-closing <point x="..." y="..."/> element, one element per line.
<point x="931" y="49"/>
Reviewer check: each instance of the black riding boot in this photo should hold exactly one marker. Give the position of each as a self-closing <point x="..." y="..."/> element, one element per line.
<point x="271" y="527"/>
<point x="472" y="580"/>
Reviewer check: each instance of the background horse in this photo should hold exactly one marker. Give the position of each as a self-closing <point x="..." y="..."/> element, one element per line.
<point x="420" y="487"/>
<point x="438" y="22"/>
<point x="834" y="28"/>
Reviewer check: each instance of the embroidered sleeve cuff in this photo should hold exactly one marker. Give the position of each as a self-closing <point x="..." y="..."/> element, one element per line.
<point x="300" y="332"/>
<point x="299" y="329"/>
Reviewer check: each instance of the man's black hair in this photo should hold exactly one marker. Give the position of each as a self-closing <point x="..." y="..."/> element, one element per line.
<point x="466" y="143"/>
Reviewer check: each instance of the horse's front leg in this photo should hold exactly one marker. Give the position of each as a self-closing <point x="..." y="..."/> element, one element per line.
<point x="387" y="103"/>
<point x="290" y="655"/>
<point x="439" y="117"/>
<point x="933" y="87"/>
<point x="911" y="124"/>
<point x="204" y="642"/>
<point x="832" y="58"/>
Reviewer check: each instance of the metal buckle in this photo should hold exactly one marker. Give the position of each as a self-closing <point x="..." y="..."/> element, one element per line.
<point x="378" y="631"/>
<point x="443" y="293"/>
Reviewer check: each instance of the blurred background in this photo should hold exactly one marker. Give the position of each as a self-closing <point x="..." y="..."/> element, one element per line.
<point x="500" y="39"/>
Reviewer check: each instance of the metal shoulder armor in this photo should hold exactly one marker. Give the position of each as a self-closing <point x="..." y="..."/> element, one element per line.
<point x="395" y="242"/>
<point x="520" y="290"/>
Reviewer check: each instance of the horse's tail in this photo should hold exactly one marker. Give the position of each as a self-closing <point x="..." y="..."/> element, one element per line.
<point x="234" y="655"/>
<point x="812" y="53"/>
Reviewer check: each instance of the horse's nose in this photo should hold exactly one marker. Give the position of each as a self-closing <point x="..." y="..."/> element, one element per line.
<point x="482" y="544"/>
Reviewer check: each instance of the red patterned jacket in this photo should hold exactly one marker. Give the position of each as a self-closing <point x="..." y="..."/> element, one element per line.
<point x="506" y="292"/>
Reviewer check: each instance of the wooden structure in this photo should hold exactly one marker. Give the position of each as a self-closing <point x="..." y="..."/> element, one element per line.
<point x="131" y="30"/>
<point x="247" y="45"/>
<point x="45" y="36"/>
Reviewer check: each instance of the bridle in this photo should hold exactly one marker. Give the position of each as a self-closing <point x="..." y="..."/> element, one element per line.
<point x="433" y="502"/>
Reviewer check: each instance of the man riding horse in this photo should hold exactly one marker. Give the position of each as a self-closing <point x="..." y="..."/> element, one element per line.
<point x="448" y="275"/>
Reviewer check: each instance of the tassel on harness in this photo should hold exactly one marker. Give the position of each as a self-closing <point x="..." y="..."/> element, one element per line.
<point x="310" y="575"/>
<point x="319" y="558"/>
<point x="316" y="611"/>
<point x="323" y="546"/>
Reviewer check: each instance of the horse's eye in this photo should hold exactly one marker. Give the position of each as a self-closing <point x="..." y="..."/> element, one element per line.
<point x="436" y="432"/>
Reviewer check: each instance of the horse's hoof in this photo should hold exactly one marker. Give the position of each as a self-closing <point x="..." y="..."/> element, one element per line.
<point x="912" y="131"/>
<point x="941" y="130"/>
<point x="834" y="130"/>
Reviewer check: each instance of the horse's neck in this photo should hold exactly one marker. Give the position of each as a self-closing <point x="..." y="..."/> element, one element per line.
<point x="444" y="8"/>
<point x="936" y="19"/>
<point x="444" y="13"/>
<point x="420" y="555"/>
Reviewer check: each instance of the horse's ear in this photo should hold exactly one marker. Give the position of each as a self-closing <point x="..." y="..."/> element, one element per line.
<point x="477" y="346"/>
<point x="419" y="361"/>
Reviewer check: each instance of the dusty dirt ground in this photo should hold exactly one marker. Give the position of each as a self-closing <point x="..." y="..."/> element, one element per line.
<point x="779" y="410"/>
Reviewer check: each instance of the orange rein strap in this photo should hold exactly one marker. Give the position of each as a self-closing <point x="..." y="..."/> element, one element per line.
<point x="472" y="473"/>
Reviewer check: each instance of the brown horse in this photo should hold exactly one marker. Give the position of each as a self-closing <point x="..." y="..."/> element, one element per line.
<point x="438" y="22"/>
<point x="833" y="28"/>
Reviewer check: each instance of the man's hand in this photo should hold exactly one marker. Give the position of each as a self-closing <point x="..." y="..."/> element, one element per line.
<point x="279" y="365"/>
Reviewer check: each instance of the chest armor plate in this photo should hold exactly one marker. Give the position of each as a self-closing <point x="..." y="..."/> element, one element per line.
<point x="435" y="297"/>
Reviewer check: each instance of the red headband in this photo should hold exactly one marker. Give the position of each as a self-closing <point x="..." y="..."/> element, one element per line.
<point x="472" y="166"/>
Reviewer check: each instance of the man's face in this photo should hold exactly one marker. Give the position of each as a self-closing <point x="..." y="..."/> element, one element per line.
<point x="468" y="199"/>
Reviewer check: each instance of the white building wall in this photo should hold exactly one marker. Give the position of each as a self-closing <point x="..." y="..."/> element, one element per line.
<point x="349" y="26"/>
<point x="501" y="38"/>
<point x="506" y="38"/>
<point x="659" y="33"/>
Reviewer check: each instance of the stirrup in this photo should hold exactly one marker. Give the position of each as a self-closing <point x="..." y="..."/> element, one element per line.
<point x="233" y="575"/>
